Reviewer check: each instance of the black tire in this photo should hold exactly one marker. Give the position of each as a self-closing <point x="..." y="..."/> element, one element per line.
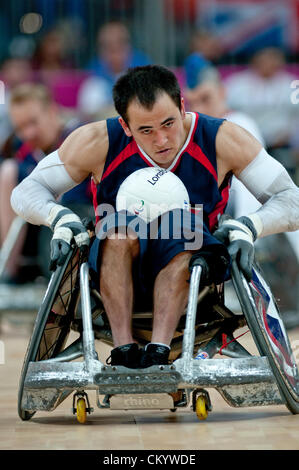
<point x="53" y="321"/>
<point x="270" y="336"/>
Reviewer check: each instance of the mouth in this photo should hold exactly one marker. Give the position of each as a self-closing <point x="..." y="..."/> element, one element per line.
<point x="163" y="152"/>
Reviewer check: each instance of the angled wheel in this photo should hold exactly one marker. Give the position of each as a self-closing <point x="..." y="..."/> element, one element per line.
<point x="53" y="321"/>
<point x="269" y="333"/>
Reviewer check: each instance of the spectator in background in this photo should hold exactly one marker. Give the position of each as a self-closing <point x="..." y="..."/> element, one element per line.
<point x="115" y="54"/>
<point x="210" y="97"/>
<point x="263" y="92"/>
<point x="13" y="71"/>
<point x="205" y="51"/>
<point x="50" y="55"/>
<point x="38" y="130"/>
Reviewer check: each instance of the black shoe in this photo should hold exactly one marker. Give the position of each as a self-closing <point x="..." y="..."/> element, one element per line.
<point x="127" y="355"/>
<point x="154" y="354"/>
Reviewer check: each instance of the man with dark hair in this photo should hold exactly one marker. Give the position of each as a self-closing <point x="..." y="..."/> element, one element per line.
<point x="145" y="87"/>
<point x="155" y="130"/>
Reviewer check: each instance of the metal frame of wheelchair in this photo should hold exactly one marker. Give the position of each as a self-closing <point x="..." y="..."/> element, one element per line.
<point x="51" y="372"/>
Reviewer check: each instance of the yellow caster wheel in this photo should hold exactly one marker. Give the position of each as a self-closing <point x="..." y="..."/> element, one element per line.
<point x="201" y="403"/>
<point x="81" y="410"/>
<point x="201" y="408"/>
<point x="79" y="406"/>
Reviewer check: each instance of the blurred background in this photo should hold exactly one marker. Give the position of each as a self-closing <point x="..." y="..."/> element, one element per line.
<point x="59" y="60"/>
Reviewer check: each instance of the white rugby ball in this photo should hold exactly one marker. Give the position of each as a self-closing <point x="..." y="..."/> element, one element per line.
<point x="150" y="192"/>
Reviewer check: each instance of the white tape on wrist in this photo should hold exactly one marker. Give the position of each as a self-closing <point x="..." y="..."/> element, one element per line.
<point x="66" y="219"/>
<point x="82" y="239"/>
<point x="239" y="232"/>
<point x="53" y="213"/>
<point x="240" y="235"/>
<point x="63" y="233"/>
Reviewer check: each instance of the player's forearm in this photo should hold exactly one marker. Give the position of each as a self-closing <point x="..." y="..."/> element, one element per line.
<point x="280" y="213"/>
<point x="32" y="201"/>
<point x="36" y="195"/>
<point x="270" y="183"/>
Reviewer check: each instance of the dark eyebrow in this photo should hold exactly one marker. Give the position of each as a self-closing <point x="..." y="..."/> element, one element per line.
<point x="141" y="128"/>
<point x="167" y="120"/>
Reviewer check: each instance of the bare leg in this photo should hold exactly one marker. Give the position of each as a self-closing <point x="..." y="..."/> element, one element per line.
<point x="116" y="286"/>
<point x="170" y="297"/>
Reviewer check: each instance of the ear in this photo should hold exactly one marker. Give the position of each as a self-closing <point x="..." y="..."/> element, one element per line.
<point x="125" y="127"/>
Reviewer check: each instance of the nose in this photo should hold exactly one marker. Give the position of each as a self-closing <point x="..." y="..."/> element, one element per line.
<point x="160" y="139"/>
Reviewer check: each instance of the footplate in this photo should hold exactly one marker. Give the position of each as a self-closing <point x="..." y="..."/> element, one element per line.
<point x="120" y="380"/>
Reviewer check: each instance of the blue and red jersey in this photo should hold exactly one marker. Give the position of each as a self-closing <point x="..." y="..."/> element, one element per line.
<point x="195" y="165"/>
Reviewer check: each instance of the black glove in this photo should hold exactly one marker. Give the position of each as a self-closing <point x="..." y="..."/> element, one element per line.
<point x="214" y="260"/>
<point x="239" y="235"/>
<point x="66" y="226"/>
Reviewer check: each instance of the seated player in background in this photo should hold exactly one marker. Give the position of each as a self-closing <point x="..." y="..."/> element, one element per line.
<point x="204" y="152"/>
<point x="38" y="130"/>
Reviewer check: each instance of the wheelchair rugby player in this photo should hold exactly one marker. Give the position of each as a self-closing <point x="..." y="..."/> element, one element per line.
<point x="154" y="130"/>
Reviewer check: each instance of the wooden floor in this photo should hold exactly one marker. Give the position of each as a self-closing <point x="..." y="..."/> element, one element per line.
<point x="269" y="427"/>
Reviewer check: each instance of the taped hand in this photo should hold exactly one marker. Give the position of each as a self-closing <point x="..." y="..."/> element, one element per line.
<point x="66" y="226"/>
<point x="239" y="235"/>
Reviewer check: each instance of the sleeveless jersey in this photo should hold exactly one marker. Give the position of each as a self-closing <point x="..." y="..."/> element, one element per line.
<point x="195" y="165"/>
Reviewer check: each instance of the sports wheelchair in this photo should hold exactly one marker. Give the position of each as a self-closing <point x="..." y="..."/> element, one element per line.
<point x="53" y="369"/>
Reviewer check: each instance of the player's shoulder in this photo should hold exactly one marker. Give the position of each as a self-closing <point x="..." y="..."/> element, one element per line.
<point x="235" y="147"/>
<point x="86" y="144"/>
<point x="89" y="133"/>
<point x="231" y="133"/>
<point x="246" y="122"/>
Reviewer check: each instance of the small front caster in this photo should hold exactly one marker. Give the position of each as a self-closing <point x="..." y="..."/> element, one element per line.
<point x="201" y="403"/>
<point x="80" y="409"/>
<point x="201" y="408"/>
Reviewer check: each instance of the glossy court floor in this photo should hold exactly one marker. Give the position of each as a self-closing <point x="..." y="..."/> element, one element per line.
<point x="266" y="428"/>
